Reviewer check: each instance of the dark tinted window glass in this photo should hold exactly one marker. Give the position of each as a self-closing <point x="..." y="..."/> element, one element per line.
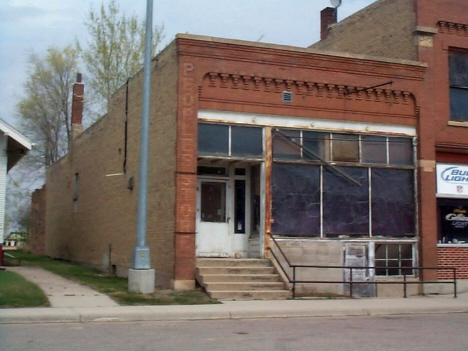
<point x="203" y="170"/>
<point x="318" y="143"/>
<point x="213" y="139"/>
<point x="453" y="219"/>
<point x="239" y="207"/>
<point x="393" y="251"/>
<point x="458" y="69"/>
<point x="296" y="199"/>
<point x="459" y="104"/>
<point x="380" y="252"/>
<point x="213" y="202"/>
<point x="374" y="149"/>
<point x="406" y="252"/>
<point x="282" y="148"/>
<point x="392" y="202"/>
<point x="246" y="141"/>
<point x="400" y="151"/>
<point x="345" y="147"/>
<point x="345" y="204"/>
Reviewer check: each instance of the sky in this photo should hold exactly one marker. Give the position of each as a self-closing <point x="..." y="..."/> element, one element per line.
<point x="31" y="26"/>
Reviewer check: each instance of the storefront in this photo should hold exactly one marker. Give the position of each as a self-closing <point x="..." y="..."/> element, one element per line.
<point x="336" y="196"/>
<point x="452" y="208"/>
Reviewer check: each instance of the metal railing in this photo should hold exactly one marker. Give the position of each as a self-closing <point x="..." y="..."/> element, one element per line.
<point x="405" y="282"/>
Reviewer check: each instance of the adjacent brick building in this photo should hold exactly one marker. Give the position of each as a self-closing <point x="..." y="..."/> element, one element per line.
<point x="434" y="32"/>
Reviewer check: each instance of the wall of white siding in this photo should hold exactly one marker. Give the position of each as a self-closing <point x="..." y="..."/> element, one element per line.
<point x="3" y="175"/>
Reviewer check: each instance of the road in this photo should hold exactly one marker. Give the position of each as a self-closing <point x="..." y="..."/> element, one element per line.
<point x="429" y="332"/>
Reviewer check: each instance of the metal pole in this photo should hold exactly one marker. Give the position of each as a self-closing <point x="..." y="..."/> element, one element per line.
<point x="141" y="252"/>
<point x="351" y="282"/>
<point x="455" y="283"/>
<point x="294" y="283"/>
<point x="404" y="284"/>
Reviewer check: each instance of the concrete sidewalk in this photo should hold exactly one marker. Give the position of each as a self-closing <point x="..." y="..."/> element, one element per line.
<point x="240" y="310"/>
<point x="63" y="292"/>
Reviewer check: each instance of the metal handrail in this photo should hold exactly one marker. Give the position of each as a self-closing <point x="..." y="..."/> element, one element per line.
<point x="405" y="282"/>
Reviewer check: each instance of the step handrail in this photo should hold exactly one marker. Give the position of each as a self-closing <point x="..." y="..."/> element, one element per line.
<point x="405" y="282"/>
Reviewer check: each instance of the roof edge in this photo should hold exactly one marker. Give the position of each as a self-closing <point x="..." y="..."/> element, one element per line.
<point x="15" y="134"/>
<point x="299" y="49"/>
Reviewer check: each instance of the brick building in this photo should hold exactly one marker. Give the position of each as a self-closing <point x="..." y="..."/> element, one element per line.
<point x="332" y="153"/>
<point x="436" y="33"/>
<point x="246" y="139"/>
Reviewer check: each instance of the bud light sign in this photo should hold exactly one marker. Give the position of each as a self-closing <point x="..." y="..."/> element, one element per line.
<point x="452" y="179"/>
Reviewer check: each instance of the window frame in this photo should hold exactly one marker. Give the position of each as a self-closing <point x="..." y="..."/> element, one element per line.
<point x="230" y="153"/>
<point x="456" y="87"/>
<point x="328" y="149"/>
<point x="386" y="260"/>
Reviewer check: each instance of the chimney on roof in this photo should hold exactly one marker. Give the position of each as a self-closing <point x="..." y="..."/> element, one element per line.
<point x="328" y="17"/>
<point x="77" y="107"/>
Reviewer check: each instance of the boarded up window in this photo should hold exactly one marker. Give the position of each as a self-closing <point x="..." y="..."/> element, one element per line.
<point x="392" y="202"/>
<point x="296" y="199"/>
<point x="345" y="204"/>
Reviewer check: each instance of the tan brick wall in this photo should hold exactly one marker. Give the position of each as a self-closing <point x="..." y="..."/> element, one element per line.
<point x="58" y="209"/>
<point x="106" y="207"/>
<point x="384" y="28"/>
<point x="37" y="221"/>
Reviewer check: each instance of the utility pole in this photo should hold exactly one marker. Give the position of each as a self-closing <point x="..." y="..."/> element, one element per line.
<point x="141" y="276"/>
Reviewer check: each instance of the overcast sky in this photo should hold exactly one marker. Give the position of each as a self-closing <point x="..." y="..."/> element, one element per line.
<point x="33" y="25"/>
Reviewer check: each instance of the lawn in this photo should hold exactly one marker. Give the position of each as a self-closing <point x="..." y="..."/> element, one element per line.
<point x="15" y="291"/>
<point x="116" y="288"/>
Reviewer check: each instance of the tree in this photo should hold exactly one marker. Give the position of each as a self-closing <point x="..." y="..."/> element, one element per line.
<point x="114" y="51"/>
<point x="45" y="111"/>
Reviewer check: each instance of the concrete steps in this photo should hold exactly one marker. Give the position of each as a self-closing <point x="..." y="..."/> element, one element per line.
<point x="240" y="279"/>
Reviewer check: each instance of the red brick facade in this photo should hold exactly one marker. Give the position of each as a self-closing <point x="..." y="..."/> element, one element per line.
<point x="456" y="257"/>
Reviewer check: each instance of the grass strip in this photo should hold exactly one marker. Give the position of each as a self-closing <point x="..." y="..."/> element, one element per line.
<point x="15" y="291"/>
<point x="115" y="287"/>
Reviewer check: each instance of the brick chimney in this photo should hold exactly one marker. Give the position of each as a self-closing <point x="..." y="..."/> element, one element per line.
<point x="77" y="107"/>
<point x="328" y="17"/>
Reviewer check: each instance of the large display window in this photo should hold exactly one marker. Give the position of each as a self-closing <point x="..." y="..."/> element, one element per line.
<point x="453" y="221"/>
<point x="363" y="185"/>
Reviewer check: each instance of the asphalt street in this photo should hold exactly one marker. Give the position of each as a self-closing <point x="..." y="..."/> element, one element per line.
<point x="428" y="332"/>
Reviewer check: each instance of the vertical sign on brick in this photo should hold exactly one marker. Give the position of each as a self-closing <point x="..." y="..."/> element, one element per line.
<point x="186" y="177"/>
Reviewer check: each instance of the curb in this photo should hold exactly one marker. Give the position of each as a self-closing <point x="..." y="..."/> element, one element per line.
<point x="199" y="312"/>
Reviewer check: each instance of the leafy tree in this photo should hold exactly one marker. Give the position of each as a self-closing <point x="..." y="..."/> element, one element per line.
<point x="114" y="51"/>
<point x="45" y="111"/>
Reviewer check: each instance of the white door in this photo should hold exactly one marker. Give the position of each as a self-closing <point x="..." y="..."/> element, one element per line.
<point x="213" y="218"/>
<point x="356" y="255"/>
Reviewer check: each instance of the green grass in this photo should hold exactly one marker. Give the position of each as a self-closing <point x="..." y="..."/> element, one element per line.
<point x="15" y="291"/>
<point x="116" y="288"/>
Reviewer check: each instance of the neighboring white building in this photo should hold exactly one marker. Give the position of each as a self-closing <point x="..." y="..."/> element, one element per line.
<point x="13" y="146"/>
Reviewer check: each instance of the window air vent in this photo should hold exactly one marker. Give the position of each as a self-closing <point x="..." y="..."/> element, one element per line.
<point x="287" y="96"/>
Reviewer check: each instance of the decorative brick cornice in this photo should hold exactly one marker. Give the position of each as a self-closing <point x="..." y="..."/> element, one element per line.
<point x="451" y="147"/>
<point x="453" y="28"/>
<point x="306" y="88"/>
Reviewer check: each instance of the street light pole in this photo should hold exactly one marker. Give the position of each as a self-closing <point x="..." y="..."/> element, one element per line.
<point x="141" y="277"/>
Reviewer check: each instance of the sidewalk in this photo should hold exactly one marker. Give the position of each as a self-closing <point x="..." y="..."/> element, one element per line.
<point x="63" y="292"/>
<point x="240" y="310"/>
<point x="72" y="302"/>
